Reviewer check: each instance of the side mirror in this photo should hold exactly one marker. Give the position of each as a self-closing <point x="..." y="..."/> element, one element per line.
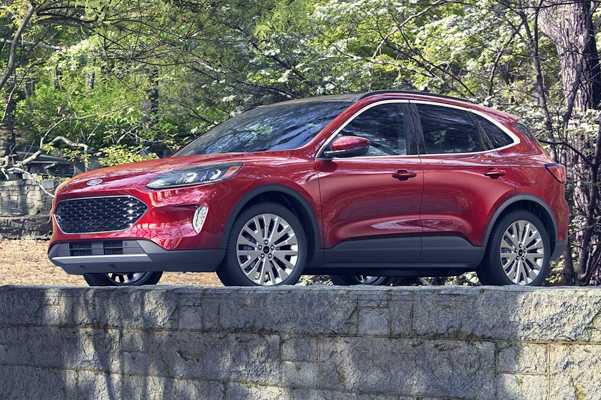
<point x="348" y="146"/>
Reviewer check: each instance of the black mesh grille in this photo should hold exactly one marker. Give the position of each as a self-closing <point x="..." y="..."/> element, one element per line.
<point x="98" y="214"/>
<point x="113" y="247"/>
<point x="80" y="249"/>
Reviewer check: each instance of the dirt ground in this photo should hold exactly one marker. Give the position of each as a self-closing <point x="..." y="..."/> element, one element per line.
<point x="24" y="262"/>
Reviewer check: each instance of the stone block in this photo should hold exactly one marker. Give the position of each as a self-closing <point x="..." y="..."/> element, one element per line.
<point x="190" y="317"/>
<point x="401" y="312"/>
<point x="20" y="306"/>
<point x="374" y="321"/>
<point x="215" y="356"/>
<point x="280" y="310"/>
<point x="300" y="374"/>
<point x="428" y="368"/>
<point x="96" y="385"/>
<point x="520" y="357"/>
<point x="54" y="347"/>
<point x="8" y="335"/>
<point x="299" y="348"/>
<point x="526" y="387"/>
<point x="51" y="315"/>
<point x="134" y="363"/>
<point x="20" y="382"/>
<point x="506" y="313"/>
<point x="575" y="372"/>
<point x="134" y="340"/>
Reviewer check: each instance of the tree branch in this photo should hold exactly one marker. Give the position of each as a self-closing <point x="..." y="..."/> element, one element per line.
<point x="10" y="67"/>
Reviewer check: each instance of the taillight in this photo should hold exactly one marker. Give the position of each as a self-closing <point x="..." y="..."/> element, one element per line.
<point x="558" y="171"/>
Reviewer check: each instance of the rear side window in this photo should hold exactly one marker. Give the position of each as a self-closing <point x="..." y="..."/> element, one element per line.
<point x="448" y="130"/>
<point x="384" y="126"/>
<point x="497" y="137"/>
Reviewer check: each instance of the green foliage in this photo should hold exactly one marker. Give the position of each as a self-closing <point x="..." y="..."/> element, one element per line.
<point x="121" y="154"/>
<point x="122" y="77"/>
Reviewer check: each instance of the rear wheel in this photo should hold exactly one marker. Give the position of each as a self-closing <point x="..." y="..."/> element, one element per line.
<point x="517" y="253"/>
<point x="267" y="247"/>
<point x="127" y="279"/>
<point x="346" y="280"/>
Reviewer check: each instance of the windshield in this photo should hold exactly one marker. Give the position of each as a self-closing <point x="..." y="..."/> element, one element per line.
<point x="278" y="127"/>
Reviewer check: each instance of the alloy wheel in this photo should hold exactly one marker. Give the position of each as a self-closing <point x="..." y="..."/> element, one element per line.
<point x="267" y="249"/>
<point x="522" y="252"/>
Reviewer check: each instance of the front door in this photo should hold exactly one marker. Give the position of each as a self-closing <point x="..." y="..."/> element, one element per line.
<point x="371" y="204"/>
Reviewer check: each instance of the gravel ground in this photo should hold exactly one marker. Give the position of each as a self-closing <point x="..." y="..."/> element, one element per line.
<point x="24" y="262"/>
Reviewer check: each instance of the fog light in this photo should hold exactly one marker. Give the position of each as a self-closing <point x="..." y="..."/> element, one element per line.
<point x="199" y="218"/>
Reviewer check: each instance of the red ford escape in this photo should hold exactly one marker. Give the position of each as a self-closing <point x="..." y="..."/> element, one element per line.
<point x="381" y="184"/>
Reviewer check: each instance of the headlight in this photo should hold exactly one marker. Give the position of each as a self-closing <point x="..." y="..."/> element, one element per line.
<point x="194" y="176"/>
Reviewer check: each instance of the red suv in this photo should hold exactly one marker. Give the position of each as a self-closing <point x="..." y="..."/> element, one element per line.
<point x="380" y="184"/>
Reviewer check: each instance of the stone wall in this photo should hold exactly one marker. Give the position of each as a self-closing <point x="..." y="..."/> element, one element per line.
<point x="25" y="208"/>
<point x="300" y="343"/>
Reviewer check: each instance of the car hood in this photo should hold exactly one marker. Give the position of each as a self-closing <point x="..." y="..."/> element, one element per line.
<point x="138" y="174"/>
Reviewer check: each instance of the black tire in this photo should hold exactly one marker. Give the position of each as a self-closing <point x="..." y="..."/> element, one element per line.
<point x="517" y="253"/>
<point x="127" y="279"/>
<point x="255" y="257"/>
<point x="347" y="280"/>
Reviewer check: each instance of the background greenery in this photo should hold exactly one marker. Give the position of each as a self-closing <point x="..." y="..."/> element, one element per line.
<point x="131" y="79"/>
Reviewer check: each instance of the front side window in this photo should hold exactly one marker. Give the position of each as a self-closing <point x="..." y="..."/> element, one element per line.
<point x="283" y="126"/>
<point x="384" y="126"/>
<point x="448" y="130"/>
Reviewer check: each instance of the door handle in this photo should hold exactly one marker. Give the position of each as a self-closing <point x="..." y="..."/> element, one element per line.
<point x="494" y="173"/>
<point x="403" y="175"/>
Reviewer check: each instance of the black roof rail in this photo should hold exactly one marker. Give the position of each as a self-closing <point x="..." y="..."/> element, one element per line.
<point x="375" y="92"/>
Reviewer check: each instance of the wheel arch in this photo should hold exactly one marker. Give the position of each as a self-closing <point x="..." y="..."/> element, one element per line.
<point x="536" y="206"/>
<point x="287" y="197"/>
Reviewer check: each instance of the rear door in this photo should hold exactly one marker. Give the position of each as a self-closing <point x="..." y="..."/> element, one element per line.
<point x="465" y="180"/>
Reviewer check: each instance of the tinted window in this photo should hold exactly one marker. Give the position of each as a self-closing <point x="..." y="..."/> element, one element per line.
<point x="384" y="126"/>
<point x="497" y="137"/>
<point x="526" y="131"/>
<point x="278" y="127"/>
<point x="448" y="130"/>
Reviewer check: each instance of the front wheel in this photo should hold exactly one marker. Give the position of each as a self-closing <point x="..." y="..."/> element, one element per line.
<point x="374" y="280"/>
<point x="517" y="253"/>
<point x="267" y="246"/>
<point x="126" y="279"/>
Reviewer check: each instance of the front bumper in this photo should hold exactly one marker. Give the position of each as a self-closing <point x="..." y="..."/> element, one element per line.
<point x="125" y="256"/>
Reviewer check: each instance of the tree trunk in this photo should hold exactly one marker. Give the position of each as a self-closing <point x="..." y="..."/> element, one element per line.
<point x="570" y="26"/>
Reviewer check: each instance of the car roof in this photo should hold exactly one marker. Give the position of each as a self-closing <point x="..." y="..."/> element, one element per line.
<point x="406" y="94"/>
<point x="354" y="97"/>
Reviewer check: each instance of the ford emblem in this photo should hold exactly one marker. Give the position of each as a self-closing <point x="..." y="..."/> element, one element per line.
<point x="94" y="182"/>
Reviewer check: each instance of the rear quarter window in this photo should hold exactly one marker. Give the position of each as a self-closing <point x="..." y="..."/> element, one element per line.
<point x="497" y="136"/>
<point x="524" y="129"/>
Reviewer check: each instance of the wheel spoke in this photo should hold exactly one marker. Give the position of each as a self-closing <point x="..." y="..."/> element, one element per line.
<point x="285" y="261"/>
<point x="278" y="235"/>
<point x="535" y="260"/>
<point x="254" y="234"/>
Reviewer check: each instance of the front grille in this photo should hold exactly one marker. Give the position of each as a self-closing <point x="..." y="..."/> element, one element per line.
<point x="107" y="248"/>
<point x="98" y="214"/>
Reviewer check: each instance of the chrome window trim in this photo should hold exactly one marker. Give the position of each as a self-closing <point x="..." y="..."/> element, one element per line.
<point x="514" y="137"/>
